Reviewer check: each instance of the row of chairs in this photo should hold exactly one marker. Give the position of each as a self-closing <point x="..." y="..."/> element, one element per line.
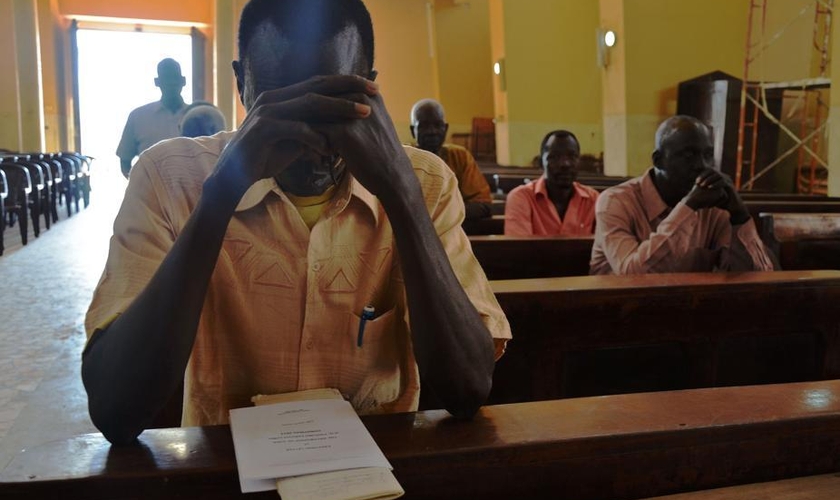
<point x="33" y="185"/>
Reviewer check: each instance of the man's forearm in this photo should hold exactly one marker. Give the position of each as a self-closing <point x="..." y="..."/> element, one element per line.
<point x="453" y="347"/>
<point x="130" y="369"/>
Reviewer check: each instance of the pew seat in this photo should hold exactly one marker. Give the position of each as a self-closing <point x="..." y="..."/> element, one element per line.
<point x="615" y="447"/>
<point x="496" y="223"/>
<point x="596" y="335"/>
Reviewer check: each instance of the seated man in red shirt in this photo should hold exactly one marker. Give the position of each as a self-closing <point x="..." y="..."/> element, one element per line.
<point x="555" y="204"/>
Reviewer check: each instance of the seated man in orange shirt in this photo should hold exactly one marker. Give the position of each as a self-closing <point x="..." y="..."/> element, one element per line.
<point x="682" y="215"/>
<point x="245" y="263"/>
<point x="555" y="204"/>
<point x="429" y="128"/>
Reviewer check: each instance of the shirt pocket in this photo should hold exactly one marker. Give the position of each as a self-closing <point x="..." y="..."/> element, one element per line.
<point x="371" y="373"/>
<point x="375" y="330"/>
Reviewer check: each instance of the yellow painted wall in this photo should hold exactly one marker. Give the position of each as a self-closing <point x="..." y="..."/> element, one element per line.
<point x="464" y="61"/>
<point x="553" y="80"/>
<point x="195" y="11"/>
<point x="407" y="71"/>
<point x="54" y="56"/>
<point x="30" y="95"/>
<point x="668" y="42"/>
<point x="9" y="110"/>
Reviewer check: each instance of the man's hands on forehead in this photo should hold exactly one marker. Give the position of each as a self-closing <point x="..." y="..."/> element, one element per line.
<point x="337" y="114"/>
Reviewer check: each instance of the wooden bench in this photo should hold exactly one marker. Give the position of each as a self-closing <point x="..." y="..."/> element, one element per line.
<point x="506" y="182"/>
<point x="598" y="335"/>
<point x="496" y="223"/>
<point x="616" y="447"/>
<point x="823" y="487"/>
<point x="487" y="226"/>
<point x="803" y="241"/>
<point x="511" y="257"/>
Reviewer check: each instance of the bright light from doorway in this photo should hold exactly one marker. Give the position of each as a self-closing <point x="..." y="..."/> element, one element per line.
<point x="116" y="74"/>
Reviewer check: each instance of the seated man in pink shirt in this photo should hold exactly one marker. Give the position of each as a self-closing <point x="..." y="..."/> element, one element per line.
<point x="682" y="215"/>
<point x="555" y="204"/>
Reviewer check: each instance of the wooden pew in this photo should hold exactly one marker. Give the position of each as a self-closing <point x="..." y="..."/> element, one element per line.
<point x="615" y="447"/>
<point x="757" y="207"/>
<point x="482" y="227"/>
<point x="496" y="223"/>
<point x="506" y="182"/>
<point x="802" y="241"/>
<point x="511" y="257"/>
<point x="822" y="487"/>
<point x="597" y="335"/>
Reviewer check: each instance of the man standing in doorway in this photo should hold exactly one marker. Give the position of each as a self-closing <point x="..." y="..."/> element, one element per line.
<point x="156" y="121"/>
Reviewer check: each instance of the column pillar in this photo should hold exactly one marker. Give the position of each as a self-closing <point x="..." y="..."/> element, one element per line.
<point x="30" y="88"/>
<point x="614" y="87"/>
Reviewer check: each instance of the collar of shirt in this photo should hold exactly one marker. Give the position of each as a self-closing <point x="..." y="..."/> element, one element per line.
<point x="540" y="188"/>
<point x="160" y="107"/>
<point x="655" y="207"/>
<point x="349" y="187"/>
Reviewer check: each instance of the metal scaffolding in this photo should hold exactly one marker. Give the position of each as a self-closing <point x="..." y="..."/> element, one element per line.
<point x="808" y="103"/>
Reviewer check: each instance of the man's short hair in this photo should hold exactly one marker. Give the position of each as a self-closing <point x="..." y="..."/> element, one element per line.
<point x="560" y="134"/>
<point x="675" y="123"/>
<point x="423" y="103"/>
<point x="307" y="21"/>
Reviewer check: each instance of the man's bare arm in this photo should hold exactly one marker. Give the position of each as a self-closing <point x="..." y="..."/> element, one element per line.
<point x="453" y="348"/>
<point x="131" y="368"/>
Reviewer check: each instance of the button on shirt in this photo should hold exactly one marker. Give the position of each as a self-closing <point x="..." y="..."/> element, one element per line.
<point x="146" y="126"/>
<point x="530" y="212"/>
<point x="283" y="307"/>
<point x="638" y="233"/>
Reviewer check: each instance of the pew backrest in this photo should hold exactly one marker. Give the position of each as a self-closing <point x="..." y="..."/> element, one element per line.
<point x="513" y="257"/>
<point x="596" y="335"/>
<point x="802" y="241"/>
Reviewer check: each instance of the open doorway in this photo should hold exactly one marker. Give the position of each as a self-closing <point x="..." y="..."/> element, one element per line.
<point x="116" y="72"/>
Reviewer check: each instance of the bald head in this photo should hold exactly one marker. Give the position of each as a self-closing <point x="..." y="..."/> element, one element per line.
<point x="201" y="119"/>
<point x="428" y="125"/>
<point x="680" y="124"/>
<point x="427" y="107"/>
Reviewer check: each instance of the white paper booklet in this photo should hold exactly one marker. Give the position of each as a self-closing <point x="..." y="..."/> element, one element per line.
<point x="303" y="439"/>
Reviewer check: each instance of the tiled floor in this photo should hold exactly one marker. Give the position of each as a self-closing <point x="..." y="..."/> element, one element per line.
<point x="45" y="289"/>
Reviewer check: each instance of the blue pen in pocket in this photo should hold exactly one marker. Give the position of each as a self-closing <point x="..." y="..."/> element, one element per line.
<point x="367" y="314"/>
